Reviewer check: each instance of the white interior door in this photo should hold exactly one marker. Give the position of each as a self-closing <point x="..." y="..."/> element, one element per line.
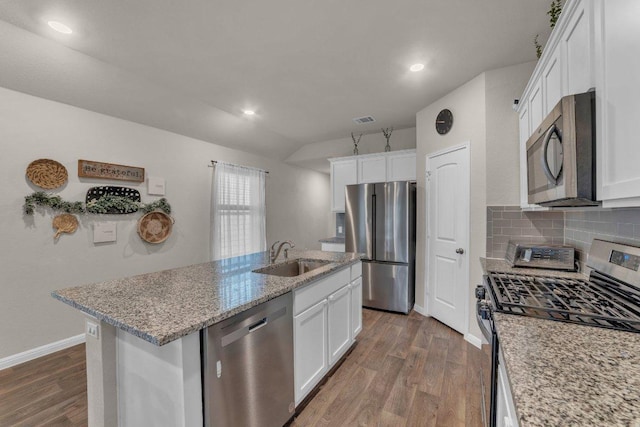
<point x="448" y="236"/>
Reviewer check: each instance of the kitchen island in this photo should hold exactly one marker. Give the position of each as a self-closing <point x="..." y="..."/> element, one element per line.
<point x="567" y="374"/>
<point x="143" y="364"/>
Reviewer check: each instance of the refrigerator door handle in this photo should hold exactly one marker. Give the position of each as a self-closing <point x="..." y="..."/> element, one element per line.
<point x="373" y="226"/>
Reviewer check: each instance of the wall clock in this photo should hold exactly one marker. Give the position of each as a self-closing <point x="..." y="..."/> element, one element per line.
<point x="444" y="121"/>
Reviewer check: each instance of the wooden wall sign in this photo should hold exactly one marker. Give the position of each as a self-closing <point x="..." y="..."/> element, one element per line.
<point x="91" y="169"/>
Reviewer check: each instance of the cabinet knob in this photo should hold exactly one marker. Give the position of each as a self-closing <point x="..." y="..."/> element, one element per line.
<point x="460" y="251"/>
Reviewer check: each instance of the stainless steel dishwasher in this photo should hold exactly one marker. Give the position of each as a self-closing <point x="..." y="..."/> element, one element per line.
<point x="248" y="367"/>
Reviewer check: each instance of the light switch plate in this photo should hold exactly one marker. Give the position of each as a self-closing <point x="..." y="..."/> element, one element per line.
<point x="104" y="232"/>
<point x="155" y="186"/>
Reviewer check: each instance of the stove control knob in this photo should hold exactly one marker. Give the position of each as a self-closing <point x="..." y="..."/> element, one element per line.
<point x="480" y="292"/>
<point x="484" y="311"/>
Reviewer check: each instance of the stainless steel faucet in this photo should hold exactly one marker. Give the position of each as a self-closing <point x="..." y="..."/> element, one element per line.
<point x="273" y="253"/>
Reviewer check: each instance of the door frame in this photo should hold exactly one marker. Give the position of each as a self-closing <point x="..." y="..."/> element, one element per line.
<point x="428" y="286"/>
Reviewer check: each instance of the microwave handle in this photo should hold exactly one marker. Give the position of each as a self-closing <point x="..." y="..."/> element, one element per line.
<point x="545" y="163"/>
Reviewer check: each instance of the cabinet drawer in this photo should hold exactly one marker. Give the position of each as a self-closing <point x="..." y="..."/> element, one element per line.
<point x="315" y="292"/>
<point x="356" y="271"/>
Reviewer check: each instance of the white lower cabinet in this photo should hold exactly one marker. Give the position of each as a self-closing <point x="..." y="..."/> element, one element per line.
<point x="339" y="323"/>
<point x="311" y="344"/>
<point x="356" y="306"/>
<point x="505" y="408"/>
<point x="323" y="325"/>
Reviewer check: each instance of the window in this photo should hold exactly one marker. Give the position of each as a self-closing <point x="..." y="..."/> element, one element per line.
<point x="238" y="225"/>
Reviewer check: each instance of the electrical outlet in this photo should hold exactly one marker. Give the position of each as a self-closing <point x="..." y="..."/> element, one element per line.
<point x="92" y="329"/>
<point x="339" y="229"/>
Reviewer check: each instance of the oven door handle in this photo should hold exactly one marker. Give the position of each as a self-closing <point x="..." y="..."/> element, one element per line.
<point x="482" y="323"/>
<point x="545" y="162"/>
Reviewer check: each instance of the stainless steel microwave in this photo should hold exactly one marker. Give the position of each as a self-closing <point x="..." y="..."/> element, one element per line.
<point x="561" y="154"/>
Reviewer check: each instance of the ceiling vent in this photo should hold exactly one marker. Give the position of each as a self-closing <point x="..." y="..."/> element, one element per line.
<point x="365" y="119"/>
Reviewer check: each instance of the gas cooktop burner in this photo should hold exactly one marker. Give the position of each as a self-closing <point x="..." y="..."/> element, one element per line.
<point x="600" y="301"/>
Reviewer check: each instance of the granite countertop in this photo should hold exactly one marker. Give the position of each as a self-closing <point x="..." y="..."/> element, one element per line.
<point x="567" y="374"/>
<point x="570" y="375"/>
<point x="163" y="306"/>
<point x="499" y="265"/>
<point x="336" y="239"/>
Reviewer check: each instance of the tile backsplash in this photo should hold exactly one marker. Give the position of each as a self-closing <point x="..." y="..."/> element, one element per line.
<point x="575" y="228"/>
<point x="617" y="225"/>
<point x="506" y="223"/>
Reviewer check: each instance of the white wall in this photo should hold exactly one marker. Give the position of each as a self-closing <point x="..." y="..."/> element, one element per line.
<point x="467" y="103"/>
<point x="503" y="156"/>
<point x="484" y="117"/>
<point x="33" y="264"/>
<point x="315" y="155"/>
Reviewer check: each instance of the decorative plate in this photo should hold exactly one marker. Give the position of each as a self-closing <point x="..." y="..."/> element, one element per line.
<point x="47" y="173"/>
<point x="64" y="223"/>
<point x="96" y="193"/>
<point x="155" y="227"/>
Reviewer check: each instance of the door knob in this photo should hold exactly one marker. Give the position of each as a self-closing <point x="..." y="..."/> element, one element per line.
<point x="460" y="251"/>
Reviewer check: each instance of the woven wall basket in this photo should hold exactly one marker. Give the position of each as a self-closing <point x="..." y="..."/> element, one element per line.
<point x="155" y="227"/>
<point x="64" y="223"/>
<point x="47" y="173"/>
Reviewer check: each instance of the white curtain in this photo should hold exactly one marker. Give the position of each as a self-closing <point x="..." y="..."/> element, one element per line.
<point x="238" y="212"/>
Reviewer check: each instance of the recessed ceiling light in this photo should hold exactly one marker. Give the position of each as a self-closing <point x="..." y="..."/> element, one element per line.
<point x="416" y="67"/>
<point x="60" y="27"/>
<point x="248" y="112"/>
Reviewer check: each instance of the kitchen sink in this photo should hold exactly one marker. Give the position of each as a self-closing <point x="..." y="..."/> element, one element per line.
<point x="293" y="268"/>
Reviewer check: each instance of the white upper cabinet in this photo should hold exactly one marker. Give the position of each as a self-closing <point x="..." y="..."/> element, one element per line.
<point x="577" y="44"/>
<point x="565" y="68"/>
<point x="552" y="82"/>
<point x="401" y="167"/>
<point x="536" y="107"/>
<point x="372" y="169"/>
<point x="595" y="44"/>
<point x="617" y="106"/>
<point x="343" y="173"/>
<point x="368" y="168"/>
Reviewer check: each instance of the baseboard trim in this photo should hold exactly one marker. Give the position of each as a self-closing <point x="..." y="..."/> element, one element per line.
<point x="34" y="353"/>
<point x="420" y="309"/>
<point x="472" y="339"/>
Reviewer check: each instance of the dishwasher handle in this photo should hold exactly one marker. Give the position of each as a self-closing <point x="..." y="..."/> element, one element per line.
<point x="240" y="331"/>
<point x="259" y="324"/>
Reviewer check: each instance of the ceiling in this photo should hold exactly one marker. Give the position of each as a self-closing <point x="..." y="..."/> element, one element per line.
<point x="306" y="67"/>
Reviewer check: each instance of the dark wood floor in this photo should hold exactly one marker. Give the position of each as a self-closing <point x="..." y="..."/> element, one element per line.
<point x="49" y="391"/>
<point x="405" y="371"/>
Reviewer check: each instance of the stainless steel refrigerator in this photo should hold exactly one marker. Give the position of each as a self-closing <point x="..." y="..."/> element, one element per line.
<point x="380" y="221"/>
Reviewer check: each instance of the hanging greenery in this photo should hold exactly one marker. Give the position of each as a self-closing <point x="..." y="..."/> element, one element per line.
<point x="554" y="14"/>
<point x="40" y="198"/>
<point x="102" y="205"/>
<point x="160" y="204"/>
<point x="110" y="203"/>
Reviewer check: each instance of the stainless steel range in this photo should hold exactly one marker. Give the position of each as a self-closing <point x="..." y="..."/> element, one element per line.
<point x="609" y="298"/>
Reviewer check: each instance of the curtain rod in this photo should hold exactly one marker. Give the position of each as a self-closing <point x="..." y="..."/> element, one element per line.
<point x="214" y="162"/>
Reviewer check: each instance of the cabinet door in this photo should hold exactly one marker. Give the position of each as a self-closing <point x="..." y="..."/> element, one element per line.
<point x="578" y="55"/>
<point x="372" y="169"/>
<point x="339" y="323"/>
<point x="343" y="173"/>
<point x="552" y="82"/>
<point x="536" y="107"/>
<point x="310" y="348"/>
<point x="524" y="136"/>
<point x="505" y="408"/>
<point x="401" y="167"/>
<point x="356" y="307"/>
<point x="617" y="106"/>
